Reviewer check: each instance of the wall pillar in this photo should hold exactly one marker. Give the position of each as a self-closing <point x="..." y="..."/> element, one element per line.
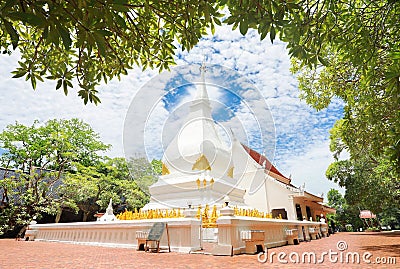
<point x="292" y="214"/>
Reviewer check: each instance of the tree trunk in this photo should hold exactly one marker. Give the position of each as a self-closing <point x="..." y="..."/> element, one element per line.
<point x="59" y="213"/>
<point x="85" y="216"/>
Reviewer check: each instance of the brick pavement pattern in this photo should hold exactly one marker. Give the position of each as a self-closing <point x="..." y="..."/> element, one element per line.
<point x="21" y="254"/>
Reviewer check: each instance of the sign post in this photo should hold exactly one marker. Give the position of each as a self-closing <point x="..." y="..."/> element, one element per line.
<point x="155" y="236"/>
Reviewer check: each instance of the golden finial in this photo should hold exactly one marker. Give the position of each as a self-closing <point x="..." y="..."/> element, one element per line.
<point x="230" y="172"/>
<point x="198" y="214"/>
<point x="205" y="216"/>
<point x="165" y="170"/>
<point x="201" y="163"/>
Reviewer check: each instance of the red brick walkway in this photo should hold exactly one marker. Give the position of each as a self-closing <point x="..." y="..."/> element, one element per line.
<point x="21" y="254"/>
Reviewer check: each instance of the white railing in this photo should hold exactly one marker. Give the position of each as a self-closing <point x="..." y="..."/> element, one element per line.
<point x="141" y="235"/>
<point x="183" y="233"/>
<point x="235" y="231"/>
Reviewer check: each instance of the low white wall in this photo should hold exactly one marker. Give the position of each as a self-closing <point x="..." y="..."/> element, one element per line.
<point x="230" y="227"/>
<point x="184" y="233"/>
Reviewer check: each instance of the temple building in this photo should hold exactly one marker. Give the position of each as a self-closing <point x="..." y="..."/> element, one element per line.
<point x="226" y="194"/>
<point x="200" y="169"/>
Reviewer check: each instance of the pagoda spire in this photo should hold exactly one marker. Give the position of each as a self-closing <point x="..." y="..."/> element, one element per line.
<point x="202" y="90"/>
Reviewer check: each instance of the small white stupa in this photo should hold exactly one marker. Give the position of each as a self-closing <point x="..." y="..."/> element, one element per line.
<point x="109" y="215"/>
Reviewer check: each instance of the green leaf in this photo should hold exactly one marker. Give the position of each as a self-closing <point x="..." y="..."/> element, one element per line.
<point x="120" y="7"/>
<point x="66" y="38"/>
<point x="104" y="32"/>
<point x="28" y="18"/>
<point x="263" y="35"/>
<point x="45" y="32"/>
<point x="120" y="21"/>
<point x="100" y="42"/>
<point x="65" y="91"/>
<point x="40" y="77"/>
<point x="84" y="95"/>
<point x="230" y="20"/>
<point x="59" y="83"/>
<point x="264" y="29"/>
<point x="272" y="33"/>
<point x="19" y="73"/>
<point x="65" y="86"/>
<point x="33" y="82"/>
<point x="243" y="27"/>
<point x="8" y="4"/>
<point x="96" y="100"/>
<point x="12" y="32"/>
<point x="53" y="35"/>
<point x="323" y="61"/>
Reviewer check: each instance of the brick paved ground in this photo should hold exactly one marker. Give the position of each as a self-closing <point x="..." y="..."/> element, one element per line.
<point x="21" y="254"/>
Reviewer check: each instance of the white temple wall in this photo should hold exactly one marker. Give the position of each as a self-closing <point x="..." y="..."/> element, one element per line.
<point x="257" y="200"/>
<point x="267" y="194"/>
<point x="184" y="233"/>
<point x="258" y="188"/>
<point x="279" y="198"/>
<point x="233" y="229"/>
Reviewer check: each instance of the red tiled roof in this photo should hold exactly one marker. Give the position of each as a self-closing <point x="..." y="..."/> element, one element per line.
<point x="269" y="167"/>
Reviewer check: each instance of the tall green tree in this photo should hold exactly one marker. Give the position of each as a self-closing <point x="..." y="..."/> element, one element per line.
<point x="367" y="186"/>
<point x="90" y="188"/>
<point x="345" y="214"/>
<point x="335" y="199"/>
<point x="34" y="163"/>
<point x="144" y="173"/>
<point x="359" y="63"/>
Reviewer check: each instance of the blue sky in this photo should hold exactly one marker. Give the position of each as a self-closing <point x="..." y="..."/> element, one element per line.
<point x="301" y="141"/>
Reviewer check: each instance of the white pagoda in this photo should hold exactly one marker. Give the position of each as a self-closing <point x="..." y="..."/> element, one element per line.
<point x="197" y="164"/>
<point x="200" y="169"/>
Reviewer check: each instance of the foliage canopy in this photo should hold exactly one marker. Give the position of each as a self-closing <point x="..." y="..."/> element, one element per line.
<point x="36" y="157"/>
<point x="53" y="166"/>
<point x="94" y="41"/>
<point x="362" y="69"/>
<point x="89" y="188"/>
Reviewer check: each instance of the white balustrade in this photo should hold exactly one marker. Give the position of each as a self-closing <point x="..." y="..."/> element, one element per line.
<point x="184" y="233"/>
<point x="233" y="232"/>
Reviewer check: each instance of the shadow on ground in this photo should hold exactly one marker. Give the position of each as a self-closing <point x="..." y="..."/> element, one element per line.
<point x="388" y="248"/>
<point x="386" y="234"/>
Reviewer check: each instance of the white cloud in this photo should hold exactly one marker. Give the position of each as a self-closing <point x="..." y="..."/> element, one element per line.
<point x="309" y="168"/>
